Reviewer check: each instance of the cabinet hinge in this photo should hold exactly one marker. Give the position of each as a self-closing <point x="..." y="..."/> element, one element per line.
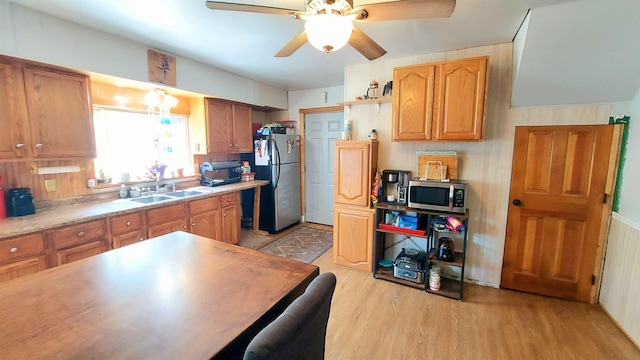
<point x="593" y="279"/>
<point x="604" y="198"/>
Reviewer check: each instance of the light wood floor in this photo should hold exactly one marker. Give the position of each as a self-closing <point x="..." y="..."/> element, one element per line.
<point x="377" y="319"/>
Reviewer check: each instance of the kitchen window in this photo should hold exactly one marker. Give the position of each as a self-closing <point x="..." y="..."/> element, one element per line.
<point x="135" y="146"/>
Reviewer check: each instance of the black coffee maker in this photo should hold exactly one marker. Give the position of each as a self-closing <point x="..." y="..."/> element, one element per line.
<point x="446" y="249"/>
<point x="395" y="186"/>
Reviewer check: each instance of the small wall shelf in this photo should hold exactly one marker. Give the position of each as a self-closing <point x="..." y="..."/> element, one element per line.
<point x="377" y="101"/>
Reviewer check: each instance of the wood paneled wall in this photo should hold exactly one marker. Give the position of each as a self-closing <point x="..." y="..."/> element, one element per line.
<point x="485" y="165"/>
<point x="105" y="95"/>
<point x="18" y="174"/>
<point x="619" y="292"/>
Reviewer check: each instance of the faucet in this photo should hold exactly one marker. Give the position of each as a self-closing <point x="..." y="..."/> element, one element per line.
<point x="157" y="182"/>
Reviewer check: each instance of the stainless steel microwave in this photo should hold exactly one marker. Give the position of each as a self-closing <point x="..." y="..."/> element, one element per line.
<point x="438" y="196"/>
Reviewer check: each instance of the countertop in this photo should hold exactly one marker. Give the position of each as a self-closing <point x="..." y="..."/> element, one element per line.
<point x="46" y="219"/>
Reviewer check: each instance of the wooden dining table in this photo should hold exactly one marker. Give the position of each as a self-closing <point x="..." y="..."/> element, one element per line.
<point x="177" y="296"/>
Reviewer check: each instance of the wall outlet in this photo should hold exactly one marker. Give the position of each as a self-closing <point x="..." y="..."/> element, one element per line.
<point x="51" y="185"/>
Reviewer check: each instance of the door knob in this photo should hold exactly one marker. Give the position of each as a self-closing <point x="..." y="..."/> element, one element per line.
<point x="517" y="202"/>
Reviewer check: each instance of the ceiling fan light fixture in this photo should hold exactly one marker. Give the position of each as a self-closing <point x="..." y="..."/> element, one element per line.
<point x="328" y="32"/>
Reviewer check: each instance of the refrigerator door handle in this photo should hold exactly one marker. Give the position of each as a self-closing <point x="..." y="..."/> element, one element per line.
<point x="277" y="156"/>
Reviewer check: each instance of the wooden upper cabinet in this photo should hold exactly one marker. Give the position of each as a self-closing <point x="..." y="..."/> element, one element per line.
<point x="460" y="98"/>
<point x="219" y="125"/>
<point x="442" y="101"/>
<point x="228" y="127"/>
<point x="12" y="111"/>
<point x="412" y="99"/>
<point x="60" y="115"/>
<point x="355" y="164"/>
<point x="242" y="137"/>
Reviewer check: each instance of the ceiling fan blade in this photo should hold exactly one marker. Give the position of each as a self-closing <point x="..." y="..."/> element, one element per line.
<point x="365" y="45"/>
<point x="215" y="5"/>
<point x="405" y="10"/>
<point x="293" y="45"/>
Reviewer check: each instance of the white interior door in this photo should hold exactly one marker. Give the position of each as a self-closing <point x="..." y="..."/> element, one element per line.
<point x="321" y="132"/>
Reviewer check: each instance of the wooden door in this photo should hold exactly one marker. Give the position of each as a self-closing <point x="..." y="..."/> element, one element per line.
<point x="242" y="136"/>
<point x="60" y="113"/>
<point x="460" y="90"/>
<point x="412" y="96"/>
<point x="553" y="227"/>
<point x="231" y="224"/>
<point x="12" y="112"/>
<point x="22" y="268"/>
<point x="353" y="237"/>
<point x="219" y="126"/>
<point x="81" y="252"/>
<point x="207" y="224"/>
<point x="167" y="227"/>
<point x="353" y="166"/>
<point x="130" y="238"/>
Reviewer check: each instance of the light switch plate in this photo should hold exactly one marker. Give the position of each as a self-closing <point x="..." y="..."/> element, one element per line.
<point x="51" y="185"/>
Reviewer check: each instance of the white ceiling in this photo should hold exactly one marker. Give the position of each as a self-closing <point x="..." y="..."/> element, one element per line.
<point x="244" y="43"/>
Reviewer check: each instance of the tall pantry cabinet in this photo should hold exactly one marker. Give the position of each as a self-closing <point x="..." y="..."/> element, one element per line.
<point x="356" y="162"/>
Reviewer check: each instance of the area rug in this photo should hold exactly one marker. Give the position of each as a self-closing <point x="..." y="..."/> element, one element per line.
<point x="303" y="244"/>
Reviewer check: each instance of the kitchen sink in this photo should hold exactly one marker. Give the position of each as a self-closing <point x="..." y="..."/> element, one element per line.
<point x="151" y="199"/>
<point x="185" y="193"/>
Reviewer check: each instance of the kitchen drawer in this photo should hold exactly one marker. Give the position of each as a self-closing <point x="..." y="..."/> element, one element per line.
<point x="77" y="234"/>
<point x="18" y="247"/>
<point x="229" y="199"/>
<point x="165" y="214"/>
<point x="204" y="205"/>
<point x="126" y="223"/>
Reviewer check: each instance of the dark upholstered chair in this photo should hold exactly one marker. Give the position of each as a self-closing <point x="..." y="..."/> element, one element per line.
<point x="300" y="331"/>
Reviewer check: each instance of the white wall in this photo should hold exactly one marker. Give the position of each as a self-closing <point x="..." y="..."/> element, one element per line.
<point x="629" y="194"/>
<point x="35" y="36"/>
<point x="304" y="99"/>
<point x="619" y="293"/>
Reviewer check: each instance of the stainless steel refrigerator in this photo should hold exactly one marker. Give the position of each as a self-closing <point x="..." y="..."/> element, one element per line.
<point x="277" y="159"/>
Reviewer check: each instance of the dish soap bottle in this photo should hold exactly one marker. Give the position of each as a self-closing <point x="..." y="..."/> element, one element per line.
<point x="123" y="192"/>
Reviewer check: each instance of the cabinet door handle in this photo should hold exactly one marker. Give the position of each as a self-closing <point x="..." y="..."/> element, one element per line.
<point x="81" y="234"/>
<point x="185" y="227"/>
<point x="14" y="250"/>
<point x="230" y="145"/>
<point x="193" y="224"/>
<point x="225" y="214"/>
<point x="128" y="223"/>
<point x="229" y="200"/>
<point x="39" y="146"/>
<point x="236" y="145"/>
<point x="141" y="239"/>
<point x="517" y="202"/>
<point x="20" y="146"/>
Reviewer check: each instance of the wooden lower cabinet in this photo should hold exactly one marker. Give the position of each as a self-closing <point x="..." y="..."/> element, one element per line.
<point x="205" y="218"/>
<point x="79" y="241"/>
<point x="167" y="219"/>
<point x="22" y="255"/>
<point x="230" y="217"/>
<point x="353" y="230"/>
<point x="127" y="229"/>
<point x="80" y="252"/>
<point x="22" y="268"/>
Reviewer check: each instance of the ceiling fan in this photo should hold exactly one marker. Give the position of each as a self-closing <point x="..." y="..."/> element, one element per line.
<point x="329" y="23"/>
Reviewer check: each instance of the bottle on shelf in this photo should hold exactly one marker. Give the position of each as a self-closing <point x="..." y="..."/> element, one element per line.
<point x="455" y="224"/>
<point x="123" y="192"/>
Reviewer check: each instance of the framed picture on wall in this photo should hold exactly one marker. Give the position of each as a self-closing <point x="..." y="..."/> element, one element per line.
<point x="162" y="68"/>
